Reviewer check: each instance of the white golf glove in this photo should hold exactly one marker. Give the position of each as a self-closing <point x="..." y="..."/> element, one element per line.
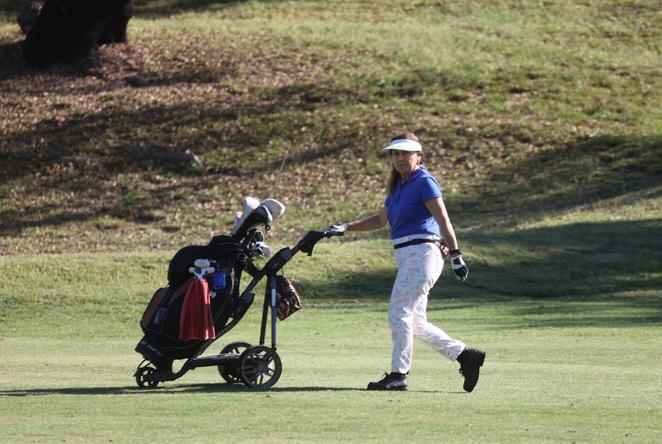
<point x="337" y="228"/>
<point x="459" y="267"/>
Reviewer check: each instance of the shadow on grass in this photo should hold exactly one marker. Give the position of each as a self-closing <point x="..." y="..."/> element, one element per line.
<point x="176" y="390"/>
<point x="160" y="8"/>
<point x="165" y="390"/>
<point x="11" y="60"/>
<point x="13" y="7"/>
<point x="147" y="8"/>
<point x="607" y="313"/>
<point x="97" y="147"/>
<point x="152" y="153"/>
<point x="88" y="149"/>
<point x="570" y="275"/>
<point x="583" y="260"/>
<point x="584" y="171"/>
<point x="67" y="137"/>
<point x="13" y="65"/>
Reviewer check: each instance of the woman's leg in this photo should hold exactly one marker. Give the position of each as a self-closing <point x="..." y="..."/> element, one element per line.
<point x="427" y="332"/>
<point x="433" y="335"/>
<point x="419" y="267"/>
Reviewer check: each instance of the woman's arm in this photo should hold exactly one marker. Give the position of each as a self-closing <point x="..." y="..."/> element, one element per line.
<point x="373" y="222"/>
<point x="437" y="208"/>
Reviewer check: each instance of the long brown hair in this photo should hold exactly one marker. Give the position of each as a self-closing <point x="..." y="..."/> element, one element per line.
<point x="395" y="177"/>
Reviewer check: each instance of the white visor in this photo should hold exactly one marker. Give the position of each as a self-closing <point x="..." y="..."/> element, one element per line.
<point x="404" y="145"/>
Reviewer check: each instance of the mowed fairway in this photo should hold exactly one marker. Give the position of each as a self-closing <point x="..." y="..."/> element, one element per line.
<point x="557" y="369"/>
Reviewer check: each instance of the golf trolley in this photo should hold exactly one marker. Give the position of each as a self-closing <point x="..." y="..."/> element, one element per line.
<point x="226" y="257"/>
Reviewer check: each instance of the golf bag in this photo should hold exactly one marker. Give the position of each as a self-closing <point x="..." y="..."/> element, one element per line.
<point x="162" y="318"/>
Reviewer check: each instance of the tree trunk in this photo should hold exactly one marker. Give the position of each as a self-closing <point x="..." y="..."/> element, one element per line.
<point x="67" y="30"/>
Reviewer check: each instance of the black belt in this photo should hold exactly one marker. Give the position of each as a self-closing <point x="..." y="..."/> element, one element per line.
<point x="416" y="242"/>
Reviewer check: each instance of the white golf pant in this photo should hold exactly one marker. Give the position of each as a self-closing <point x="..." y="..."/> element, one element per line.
<point x="419" y="267"/>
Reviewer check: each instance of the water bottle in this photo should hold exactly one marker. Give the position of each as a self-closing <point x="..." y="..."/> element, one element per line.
<point x="218" y="281"/>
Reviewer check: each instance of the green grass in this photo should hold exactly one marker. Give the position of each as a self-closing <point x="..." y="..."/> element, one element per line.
<point x="542" y="382"/>
<point x="572" y="340"/>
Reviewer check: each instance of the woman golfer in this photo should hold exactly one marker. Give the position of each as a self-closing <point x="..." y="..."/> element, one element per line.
<point x="421" y="231"/>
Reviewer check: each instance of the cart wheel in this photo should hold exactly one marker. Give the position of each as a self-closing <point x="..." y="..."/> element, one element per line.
<point x="259" y="367"/>
<point x="143" y="377"/>
<point x="228" y="374"/>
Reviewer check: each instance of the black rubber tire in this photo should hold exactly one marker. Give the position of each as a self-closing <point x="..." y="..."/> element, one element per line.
<point x="260" y="367"/>
<point x="142" y="377"/>
<point x="236" y="348"/>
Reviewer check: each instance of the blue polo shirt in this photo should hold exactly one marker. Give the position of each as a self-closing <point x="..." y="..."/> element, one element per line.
<point x="407" y="212"/>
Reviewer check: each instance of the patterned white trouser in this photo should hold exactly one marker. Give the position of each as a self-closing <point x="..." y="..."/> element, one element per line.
<point x="419" y="267"/>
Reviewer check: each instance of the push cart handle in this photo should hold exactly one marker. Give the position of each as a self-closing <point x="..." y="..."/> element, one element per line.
<point x="307" y="243"/>
<point x="278" y="260"/>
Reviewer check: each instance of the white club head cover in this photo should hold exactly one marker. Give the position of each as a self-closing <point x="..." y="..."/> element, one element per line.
<point x="276" y="209"/>
<point x="250" y="204"/>
<point x="265" y="250"/>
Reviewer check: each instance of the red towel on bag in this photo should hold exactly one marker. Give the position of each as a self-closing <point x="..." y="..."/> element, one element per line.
<point x="195" y="321"/>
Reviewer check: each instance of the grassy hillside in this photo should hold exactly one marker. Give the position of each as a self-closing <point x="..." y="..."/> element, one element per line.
<point x="527" y="110"/>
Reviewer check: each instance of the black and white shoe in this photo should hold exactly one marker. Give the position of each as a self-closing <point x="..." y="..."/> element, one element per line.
<point x="470" y="362"/>
<point x="390" y="381"/>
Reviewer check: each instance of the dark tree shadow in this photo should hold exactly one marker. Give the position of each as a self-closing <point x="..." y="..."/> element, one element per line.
<point x="578" y="270"/>
<point x="11" y="60"/>
<point x="66" y="139"/>
<point x="13" y="65"/>
<point x="529" y="189"/>
<point x="153" y="9"/>
<point x="12" y="7"/>
<point x="146" y="8"/>
<point x="584" y="171"/>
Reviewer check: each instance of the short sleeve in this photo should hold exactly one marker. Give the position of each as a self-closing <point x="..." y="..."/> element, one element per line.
<point x="430" y="189"/>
